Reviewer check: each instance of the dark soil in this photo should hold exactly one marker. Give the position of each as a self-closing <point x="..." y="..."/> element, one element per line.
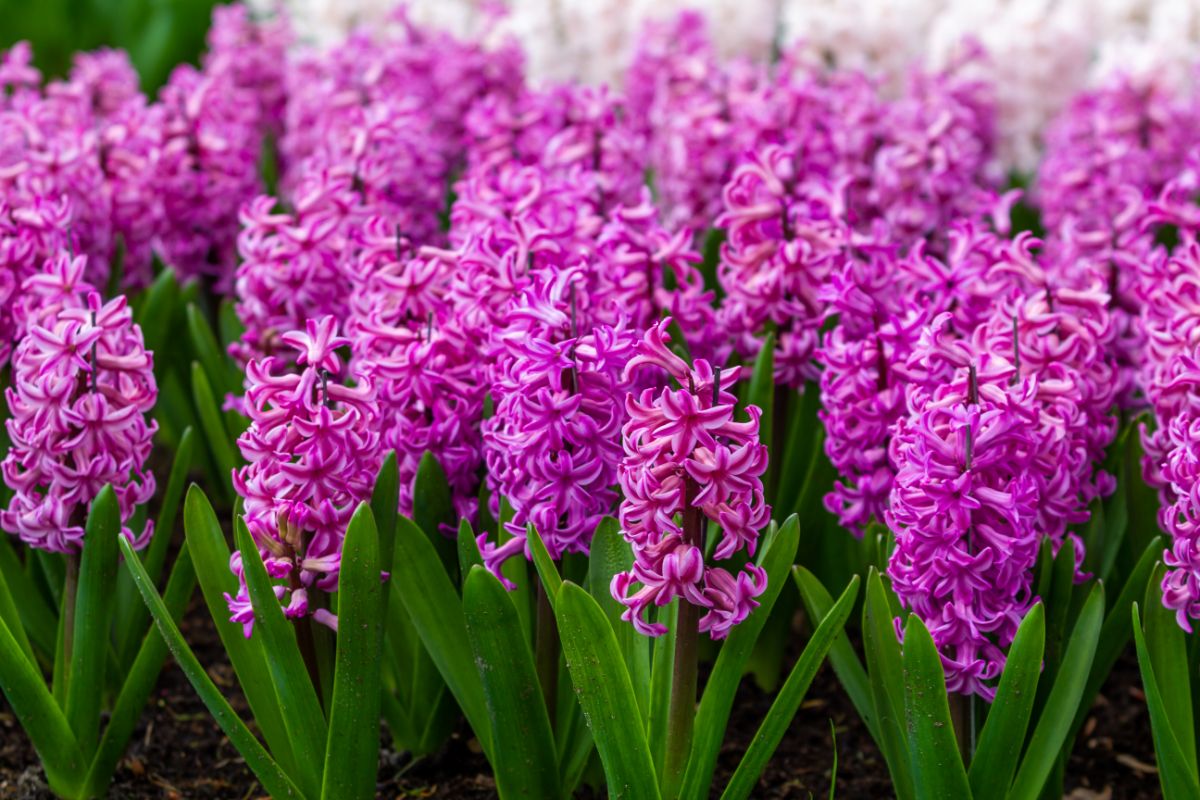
<point x="178" y="752"/>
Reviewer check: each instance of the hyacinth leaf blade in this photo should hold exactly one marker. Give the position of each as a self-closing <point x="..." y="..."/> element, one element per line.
<point x="210" y="555"/>
<point x="1058" y="599"/>
<point x="37" y="619"/>
<point x="611" y="554"/>
<point x="385" y="510"/>
<point x="229" y="324"/>
<point x="298" y="700"/>
<point x="154" y="557"/>
<point x="770" y="733"/>
<point x="219" y="444"/>
<point x="468" y="548"/>
<point x="273" y="779"/>
<point x="995" y="760"/>
<point x="1174" y="772"/>
<point x="1054" y="723"/>
<point x="40" y="717"/>
<point x="435" y="609"/>
<point x="885" y="665"/>
<point x="798" y="452"/>
<point x="761" y="393"/>
<point x="845" y="661"/>
<point x="11" y="617"/>
<point x="352" y="750"/>
<point x="141" y="676"/>
<point x="547" y="572"/>
<point x="937" y="768"/>
<point x="524" y="757"/>
<point x="433" y="508"/>
<point x="1142" y="499"/>
<point x="207" y="351"/>
<point x="1115" y="633"/>
<point x="94" y="602"/>
<point x="1166" y="646"/>
<point x="716" y="702"/>
<point x="516" y="572"/>
<point x="157" y="309"/>
<point x="175" y="412"/>
<point x="605" y="694"/>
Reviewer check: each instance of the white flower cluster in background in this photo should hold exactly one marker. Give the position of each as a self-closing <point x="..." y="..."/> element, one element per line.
<point x="1040" y="52"/>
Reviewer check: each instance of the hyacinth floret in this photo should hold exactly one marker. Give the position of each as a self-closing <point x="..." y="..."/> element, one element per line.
<point x="687" y="459"/>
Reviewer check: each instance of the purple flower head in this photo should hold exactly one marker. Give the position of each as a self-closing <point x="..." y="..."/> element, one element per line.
<point x="688" y="459"/>
<point x="82" y="385"/>
<point x="427" y="374"/>
<point x="312" y="449"/>
<point x="962" y="509"/>
<point x="212" y="136"/>
<point x="637" y="259"/>
<point x="553" y="442"/>
<point x="786" y="236"/>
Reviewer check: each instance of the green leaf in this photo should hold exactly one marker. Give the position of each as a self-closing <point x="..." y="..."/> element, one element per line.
<point x="40" y="717"/>
<point x="93" y="616"/>
<point x="352" y="751"/>
<point x="995" y="760"/>
<point x="787" y="703"/>
<point x="1115" y="633"/>
<point x="762" y="394"/>
<point x="432" y="508"/>
<point x="846" y="663"/>
<point x="436" y="611"/>
<point x="468" y="548"/>
<point x="219" y="442"/>
<point x="548" y="573"/>
<point x="210" y="555"/>
<point x="208" y="352"/>
<point x="133" y="623"/>
<point x="717" y="700"/>
<point x="605" y="694"/>
<point x="11" y="617"/>
<point x="298" y="703"/>
<point x="1050" y="734"/>
<point x="610" y="554"/>
<point x="523" y="755"/>
<point x="385" y="501"/>
<point x="274" y="780"/>
<point x="141" y="677"/>
<point x="157" y="309"/>
<point x="37" y="617"/>
<point x="1167" y="647"/>
<point x="937" y="767"/>
<point x="229" y="323"/>
<point x="886" y="666"/>
<point x="1174" y="772"/>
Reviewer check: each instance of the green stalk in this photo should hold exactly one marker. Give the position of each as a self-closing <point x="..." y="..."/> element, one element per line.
<point x="681" y="712"/>
<point x="70" y="589"/>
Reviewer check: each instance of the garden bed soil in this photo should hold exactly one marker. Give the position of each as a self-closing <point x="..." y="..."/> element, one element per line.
<point x="177" y="751"/>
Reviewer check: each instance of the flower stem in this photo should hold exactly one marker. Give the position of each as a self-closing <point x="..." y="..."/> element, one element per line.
<point x="70" y="589"/>
<point x="546" y="651"/>
<point x="962" y="715"/>
<point x="681" y="713"/>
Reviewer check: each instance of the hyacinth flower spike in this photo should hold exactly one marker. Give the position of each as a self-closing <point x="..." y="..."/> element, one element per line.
<point x="687" y="462"/>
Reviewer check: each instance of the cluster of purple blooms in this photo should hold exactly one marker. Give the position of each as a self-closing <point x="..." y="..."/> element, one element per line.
<point x="519" y="335"/>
